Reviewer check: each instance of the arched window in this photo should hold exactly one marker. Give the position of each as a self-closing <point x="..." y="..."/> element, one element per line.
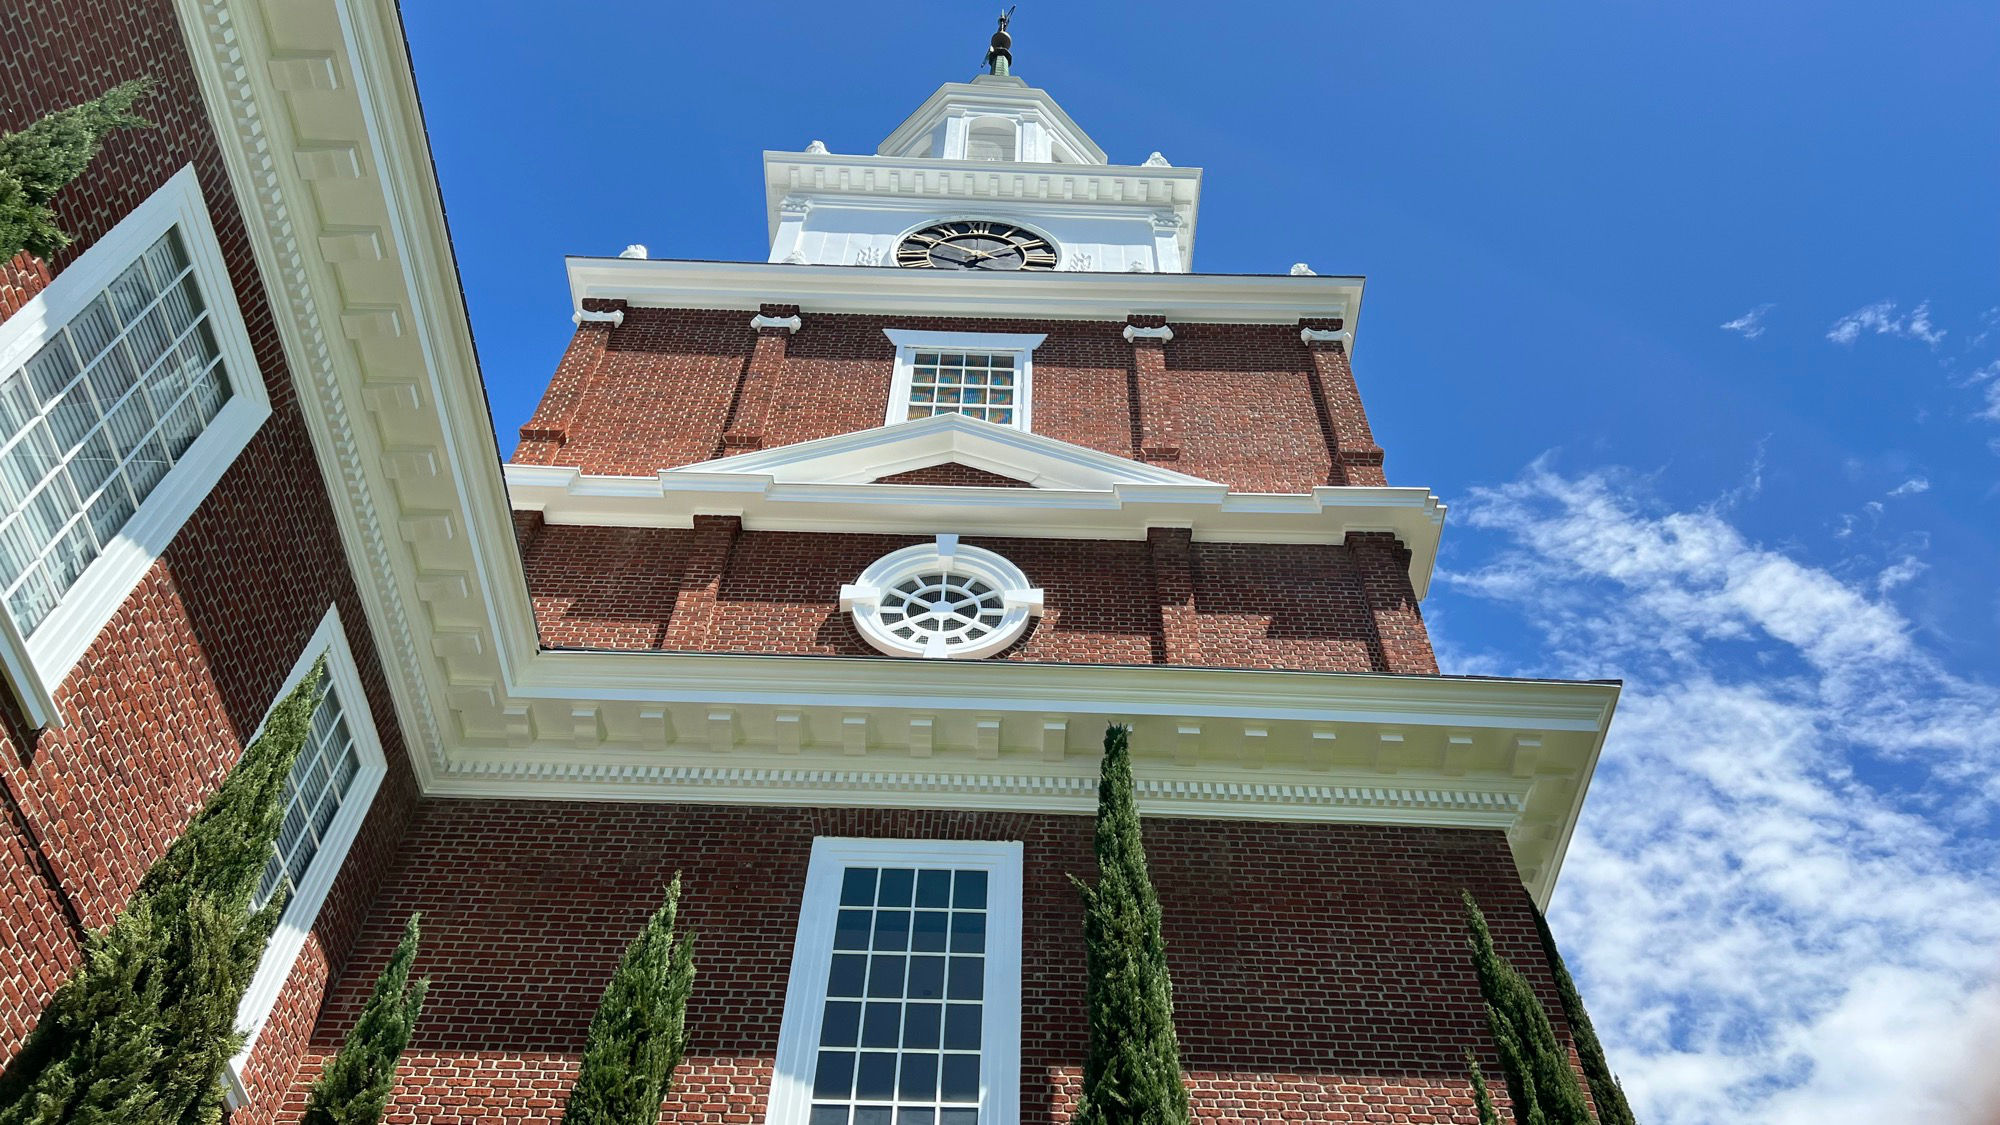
<point x="990" y="138"/>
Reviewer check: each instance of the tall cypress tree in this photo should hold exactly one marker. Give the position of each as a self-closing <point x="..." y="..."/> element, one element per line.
<point x="639" y="1033"/>
<point x="355" y="1087"/>
<point x="1539" y="1078"/>
<point x="1482" y="1098"/>
<point x="1612" y="1108"/>
<point x="38" y="161"/>
<point x="143" y="1029"/>
<point x="1132" y="1073"/>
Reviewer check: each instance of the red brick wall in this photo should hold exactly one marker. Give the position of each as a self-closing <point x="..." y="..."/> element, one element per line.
<point x="1260" y="606"/>
<point x="159" y="706"/>
<point x="21" y="277"/>
<point x="952" y="473"/>
<point x="658" y="392"/>
<point x="1319" y="970"/>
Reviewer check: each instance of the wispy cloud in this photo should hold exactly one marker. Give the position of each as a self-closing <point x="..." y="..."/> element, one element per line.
<point x="1882" y="319"/>
<point x="1911" y="487"/>
<point x="1776" y="904"/>
<point x="1988" y="378"/>
<point x="1751" y="324"/>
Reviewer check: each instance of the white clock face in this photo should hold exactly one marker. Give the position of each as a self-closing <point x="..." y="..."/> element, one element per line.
<point x="976" y="244"/>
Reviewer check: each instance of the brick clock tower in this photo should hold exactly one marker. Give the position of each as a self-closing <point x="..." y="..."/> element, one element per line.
<point x="973" y="464"/>
<point x="814" y="579"/>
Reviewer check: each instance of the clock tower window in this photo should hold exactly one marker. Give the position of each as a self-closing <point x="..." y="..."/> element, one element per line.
<point x="983" y="375"/>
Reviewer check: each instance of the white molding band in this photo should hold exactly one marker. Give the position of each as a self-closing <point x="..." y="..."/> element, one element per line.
<point x="1135" y="332"/>
<point x="1017" y="294"/>
<point x="39" y="663"/>
<point x="1489" y="805"/>
<point x="788" y="323"/>
<point x="615" y="318"/>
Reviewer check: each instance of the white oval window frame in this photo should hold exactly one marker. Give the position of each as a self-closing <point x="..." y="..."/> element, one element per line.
<point x="863" y="597"/>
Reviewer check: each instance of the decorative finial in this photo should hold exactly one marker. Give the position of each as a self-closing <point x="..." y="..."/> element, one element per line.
<point x="1000" y="55"/>
<point x="636" y="250"/>
<point x="817" y="148"/>
<point x="1300" y="269"/>
<point x="1156" y="161"/>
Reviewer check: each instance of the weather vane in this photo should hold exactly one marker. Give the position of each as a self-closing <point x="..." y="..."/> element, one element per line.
<point x="1000" y="56"/>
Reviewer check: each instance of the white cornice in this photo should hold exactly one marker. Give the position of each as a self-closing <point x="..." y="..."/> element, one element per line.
<point x="1187" y="298"/>
<point x="972" y="183"/>
<point x="1121" y="512"/>
<point x="399" y="423"/>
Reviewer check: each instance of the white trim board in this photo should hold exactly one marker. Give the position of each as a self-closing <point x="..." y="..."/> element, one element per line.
<point x="1188" y="298"/>
<point x="38" y="664"/>
<point x="281" y="953"/>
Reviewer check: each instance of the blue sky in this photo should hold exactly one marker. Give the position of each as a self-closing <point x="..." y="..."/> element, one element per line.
<point x="1692" y="314"/>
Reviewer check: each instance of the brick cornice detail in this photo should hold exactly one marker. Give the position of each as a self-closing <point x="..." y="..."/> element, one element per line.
<point x="1355" y="456"/>
<point x="757" y="387"/>
<point x="1173" y="591"/>
<point x="701" y="582"/>
<point x="1156" y="401"/>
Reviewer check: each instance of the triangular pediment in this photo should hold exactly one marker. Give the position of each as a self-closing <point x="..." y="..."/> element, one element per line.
<point x="868" y="456"/>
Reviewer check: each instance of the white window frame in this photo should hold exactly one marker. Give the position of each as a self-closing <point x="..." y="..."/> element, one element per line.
<point x="812" y="952"/>
<point x="281" y="953"/>
<point x="863" y="597"/>
<point x="910" y="341"/>
<point x="37" y="665"/>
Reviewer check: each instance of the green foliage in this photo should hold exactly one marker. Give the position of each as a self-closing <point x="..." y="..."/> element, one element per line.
<point x="143" y="1029"/>
<point x="1482" y="1098"/>
<point x="1539" y="1079"/>
<point x="354" y="1088"/>
<point x="1132" y="1072"/>
<point x="1612" y="1108"/>
<point x="639" y="1033"/>
<point x="38" y="161"/>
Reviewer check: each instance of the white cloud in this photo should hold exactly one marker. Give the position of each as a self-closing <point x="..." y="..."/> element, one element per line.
<point x="1989" y="377"/>
<point x="1774" y="903"/>
<point x="1750" y="325"/>
<point x="1900" y="573"/>
<point x="1881" y="319"/>
<point x="1911" y="487"/>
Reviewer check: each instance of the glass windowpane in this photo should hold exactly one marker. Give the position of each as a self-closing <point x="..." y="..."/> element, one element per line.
<point x="73" y="413"/>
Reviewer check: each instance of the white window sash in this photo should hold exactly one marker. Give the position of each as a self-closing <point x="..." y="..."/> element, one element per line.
<point x="281" y="953"/>
<point x="910" y="341"/>
<point x="812" y="953"/>
<point x="37" y="665"/>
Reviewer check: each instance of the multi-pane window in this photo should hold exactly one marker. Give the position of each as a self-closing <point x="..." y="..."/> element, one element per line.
<point x="322" y="777"/>
<point x="93" y="421"/>
<point x="899" y="1040"/>
<point x="982" y="386"/>
<point x="332" y="783"/>
<point x="905" y="997"/>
